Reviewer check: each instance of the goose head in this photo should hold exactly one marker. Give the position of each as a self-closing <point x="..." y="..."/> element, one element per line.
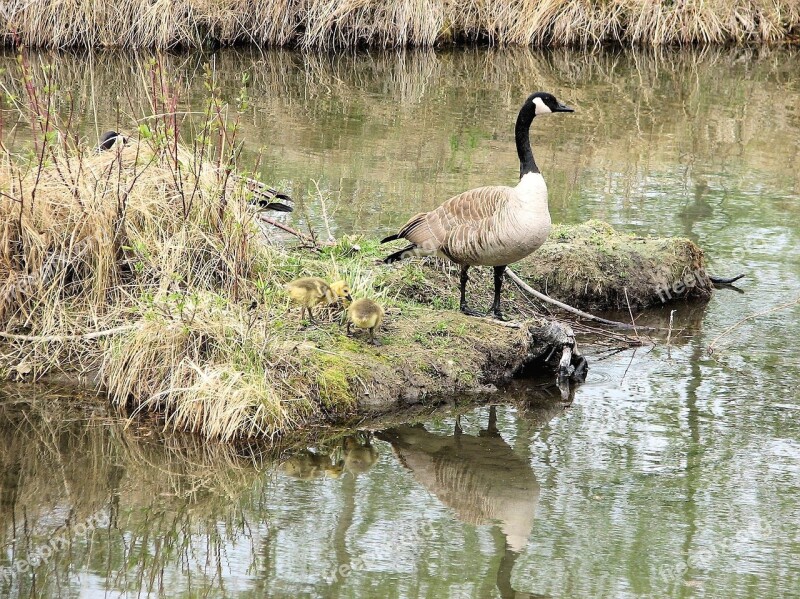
<point x="536" y="104"/>
<point x="109" y="138"/>
<point x="544" y="103"/>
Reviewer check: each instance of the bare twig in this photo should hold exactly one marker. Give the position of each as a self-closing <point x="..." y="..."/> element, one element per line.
<point x="736" y="325"/>
<point x="628" y="302"/>
<point x="324" y="211"/>
<point x="288" y="229"/>
<point x="55" y="338"/>
<point x="669" y="333"/>
<point x="528" y="289"/>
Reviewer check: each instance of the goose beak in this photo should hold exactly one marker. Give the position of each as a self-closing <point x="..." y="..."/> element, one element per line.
<point x="563" y="108"/>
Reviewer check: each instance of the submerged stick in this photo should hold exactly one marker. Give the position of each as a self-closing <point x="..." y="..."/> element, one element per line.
<point x="530" y="290"/>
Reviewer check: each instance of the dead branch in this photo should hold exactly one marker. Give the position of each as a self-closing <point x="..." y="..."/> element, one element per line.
<point x="61" y="338"/>
<point x="530" y="290"/>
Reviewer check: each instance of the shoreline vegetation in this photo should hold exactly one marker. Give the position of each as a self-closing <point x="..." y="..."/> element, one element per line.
<point x="147" y="272"/>
<point x="398" y="23"/>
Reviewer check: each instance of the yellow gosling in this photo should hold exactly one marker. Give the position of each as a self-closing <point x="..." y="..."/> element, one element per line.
<point x="365" y="314"/>
<point x="308" y="292"/>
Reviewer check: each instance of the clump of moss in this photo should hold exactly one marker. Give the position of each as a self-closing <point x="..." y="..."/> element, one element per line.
<point x="594" y="267"/>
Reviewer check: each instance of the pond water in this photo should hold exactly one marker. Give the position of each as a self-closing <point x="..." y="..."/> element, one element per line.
<point x="675" y="472"/>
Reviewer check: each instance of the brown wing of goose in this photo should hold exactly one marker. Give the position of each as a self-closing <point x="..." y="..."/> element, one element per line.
<point x="450" y="227"/>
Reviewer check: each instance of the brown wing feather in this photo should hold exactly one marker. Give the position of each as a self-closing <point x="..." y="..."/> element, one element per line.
<point x="462" y="218"/>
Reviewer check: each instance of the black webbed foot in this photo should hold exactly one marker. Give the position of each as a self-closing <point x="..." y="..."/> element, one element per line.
<point x="499" y="315"/>
<point x="471" y="312"/>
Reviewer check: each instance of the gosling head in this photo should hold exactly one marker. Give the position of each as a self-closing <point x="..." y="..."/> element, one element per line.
<point x="544" y="103"/>
<point x="341" y="289"/>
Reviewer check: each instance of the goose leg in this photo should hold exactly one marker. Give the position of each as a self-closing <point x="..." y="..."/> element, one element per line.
<point x="464" y="308"/>
<point x="498" y="285"/>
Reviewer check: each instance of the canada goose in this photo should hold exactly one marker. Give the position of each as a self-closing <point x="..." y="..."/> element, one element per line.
<point x="365" y="314"/>
<point x="263" y="195"/>
<point x="488" y="226"/>
<point x="481" y="478"/>
<point x="310" y="291"/>
<point x="109" y="138"/>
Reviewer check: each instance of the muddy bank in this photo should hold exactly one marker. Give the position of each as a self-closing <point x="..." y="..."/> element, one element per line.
<point x="429" y="356"/>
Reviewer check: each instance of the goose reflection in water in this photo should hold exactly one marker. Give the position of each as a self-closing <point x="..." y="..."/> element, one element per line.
<point x="480" y="477"/>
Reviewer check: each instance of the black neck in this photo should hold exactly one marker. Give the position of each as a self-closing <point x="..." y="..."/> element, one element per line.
<point x="522" y="134"/>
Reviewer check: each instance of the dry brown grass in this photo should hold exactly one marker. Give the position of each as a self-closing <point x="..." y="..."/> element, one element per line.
<point x="332" y="23"/>
<point x="90" y="242"/>
<point x="140" y="264"/>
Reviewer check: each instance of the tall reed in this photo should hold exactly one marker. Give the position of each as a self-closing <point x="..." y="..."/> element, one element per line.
<point x="332" y="23"/>
<point x="142" y="264"/>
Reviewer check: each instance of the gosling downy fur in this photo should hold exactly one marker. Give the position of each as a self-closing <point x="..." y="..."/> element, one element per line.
<point x="488" y="226"/>
<point x="365" y="314"/>
<point x="308" y="292"/>
<point x="341" y="289"/>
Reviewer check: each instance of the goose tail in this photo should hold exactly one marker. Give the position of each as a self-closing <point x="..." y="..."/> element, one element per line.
<point x="407" y="252"/>
<point x="276" y="206"/>
<point x="390" y="238"/>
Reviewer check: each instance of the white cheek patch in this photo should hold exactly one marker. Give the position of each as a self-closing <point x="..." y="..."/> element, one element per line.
<point x="541" y="107"/>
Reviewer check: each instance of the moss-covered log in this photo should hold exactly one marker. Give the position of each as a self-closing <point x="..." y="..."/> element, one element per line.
<point x="594" y="267"/>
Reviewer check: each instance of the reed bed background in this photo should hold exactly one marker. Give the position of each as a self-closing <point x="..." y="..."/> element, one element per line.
<point x="338" y="23"/>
